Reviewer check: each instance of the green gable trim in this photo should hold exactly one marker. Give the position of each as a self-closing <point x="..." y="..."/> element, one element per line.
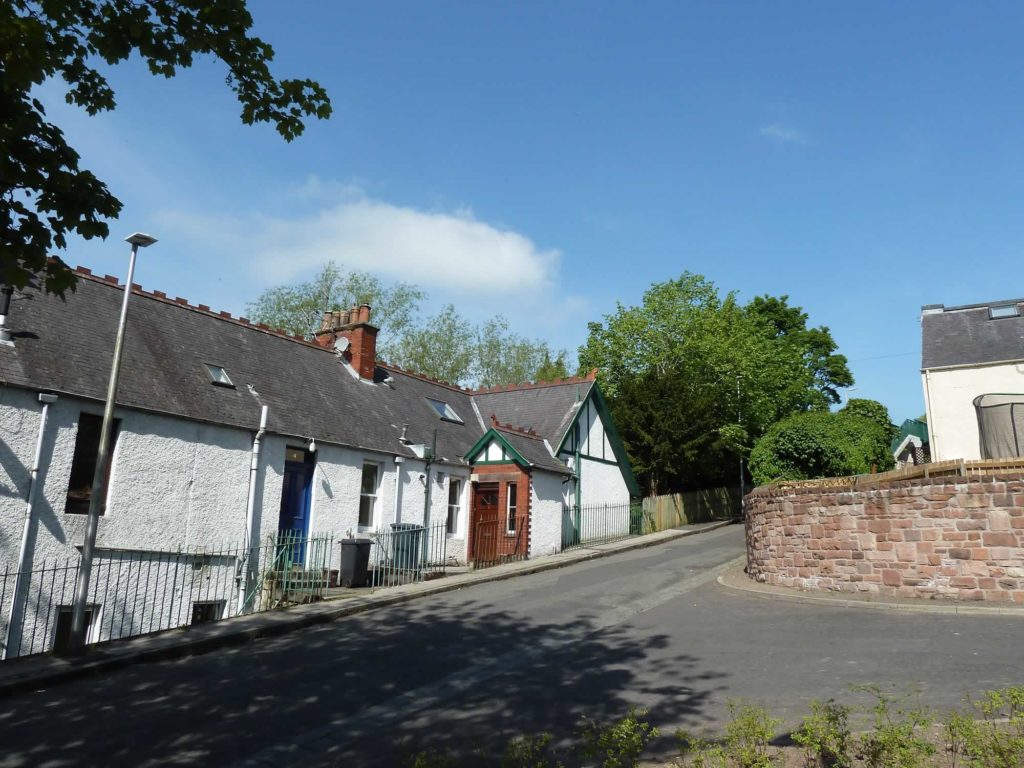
<point x="481" y="445"/>
<point x="618" y="448"/>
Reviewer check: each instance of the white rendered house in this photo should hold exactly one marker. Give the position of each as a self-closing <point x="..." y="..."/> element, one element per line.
<point x="229" y="432"/>
<point x="972" y="372"/>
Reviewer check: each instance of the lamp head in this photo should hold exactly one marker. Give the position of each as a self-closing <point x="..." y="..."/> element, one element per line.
<point x="140" y="239"/>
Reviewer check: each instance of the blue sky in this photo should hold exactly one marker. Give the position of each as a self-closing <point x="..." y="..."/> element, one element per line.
<point x="546" y="160"/>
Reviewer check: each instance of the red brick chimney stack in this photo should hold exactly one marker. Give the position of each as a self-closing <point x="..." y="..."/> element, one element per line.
<point x="353" y="325"/>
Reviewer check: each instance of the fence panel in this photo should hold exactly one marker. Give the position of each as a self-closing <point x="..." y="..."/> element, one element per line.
<point x="677" y="509"/>
<point x="600" y="523"/>
<point x="134" y="592"/>
<point x="408" y="553"/>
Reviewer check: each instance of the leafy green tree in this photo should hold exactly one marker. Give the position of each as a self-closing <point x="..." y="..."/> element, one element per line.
<point x="549" y="369"/>
<point x="820" y="444"/>
<point x="817" y="348"/>
<point x="299" y="308"/>
<point x="693" y="378"/>
<point x="504" y="357"/>
<point x="442" y="348"/>
<point x="873" y="411"/>
<point x="45" y="197"/>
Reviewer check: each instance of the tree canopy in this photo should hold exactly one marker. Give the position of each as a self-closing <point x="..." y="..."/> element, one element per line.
<point x="821" y="444"/>
<point x="45" y="196"/>
<point x="298" y="308"/>
<point x="446" y="346"/>
<point x="693" y="377"/>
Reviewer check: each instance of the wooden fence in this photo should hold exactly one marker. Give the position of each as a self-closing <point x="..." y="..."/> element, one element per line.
<point x="953" y="468"/>
<point x="676" y="509"/>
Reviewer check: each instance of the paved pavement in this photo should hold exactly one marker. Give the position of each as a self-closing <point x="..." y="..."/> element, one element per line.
<point x="650" y="627"/>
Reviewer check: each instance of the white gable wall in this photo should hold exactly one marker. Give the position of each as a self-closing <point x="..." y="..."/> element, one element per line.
<point x="949" y="396"/>
<point x="600" y="477"/>
<point x="546" y="506"/>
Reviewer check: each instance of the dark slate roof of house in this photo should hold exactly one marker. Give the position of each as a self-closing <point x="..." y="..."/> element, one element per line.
<point x="67" y="347"/>
<point x="548" y="409"/>
<point x="968" y="335"/>
<point x="532" y="448"/>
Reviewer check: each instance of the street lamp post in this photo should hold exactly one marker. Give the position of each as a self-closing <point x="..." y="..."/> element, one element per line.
<point x="99" y="478"/>
<point x="739" y="419"/>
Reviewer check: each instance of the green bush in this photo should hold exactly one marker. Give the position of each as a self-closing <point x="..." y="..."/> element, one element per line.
<point x="820" y="444"/>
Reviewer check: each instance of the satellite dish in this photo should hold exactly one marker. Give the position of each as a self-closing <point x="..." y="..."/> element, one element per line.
<point x="341" y="344"/>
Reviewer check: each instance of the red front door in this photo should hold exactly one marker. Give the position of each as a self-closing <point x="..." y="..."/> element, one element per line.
<point x="483" y="540"/>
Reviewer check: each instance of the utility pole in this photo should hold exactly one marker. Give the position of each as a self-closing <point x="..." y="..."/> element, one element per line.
<point x="739" y="420"/>
<point x="99" y="478"/>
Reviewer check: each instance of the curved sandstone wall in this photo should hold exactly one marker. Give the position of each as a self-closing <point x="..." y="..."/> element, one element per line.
<point x="946" y="537"/>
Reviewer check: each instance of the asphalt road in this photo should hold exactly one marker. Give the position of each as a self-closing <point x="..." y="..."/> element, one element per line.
<point x="648" y="627"/>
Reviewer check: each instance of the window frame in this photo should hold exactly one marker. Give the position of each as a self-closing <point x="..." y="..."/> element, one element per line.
<point x="363" y="495"/>
<point x="219" y="607"/>
<point x="211" y="370"/>
<point x="81" y="454"/>
<point x="452" y="523"/>
<point x="448" y="413"/>
<point x="1003" y="311"/>
<point x="511" y="508"/>
<point x="93" y="622"/>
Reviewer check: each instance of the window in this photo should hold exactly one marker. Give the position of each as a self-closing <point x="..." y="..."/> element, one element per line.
<point x="444" y="410"/>
<point x="83" y="463"/>
<point x="207" y="611"/>
<point x="62" y="634"/>
<point x="219" y="376"/>
<point x="454" y="495"/>
<point x="512" y="504"/>
<point x="1002" y="310"/>
<point x="368" y="494"/>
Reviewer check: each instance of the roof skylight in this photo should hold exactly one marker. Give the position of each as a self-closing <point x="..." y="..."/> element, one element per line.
<point x="444" y="410"/>
<point x="1002" y="310"/>
<point x="218" y="375"/>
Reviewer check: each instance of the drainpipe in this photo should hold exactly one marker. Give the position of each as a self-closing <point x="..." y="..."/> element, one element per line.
<point x="250" y="510"/>
<point x="397" y="512"/>
<point x="5" y="307"/>
<point x="426" y="498"/>
<point x="46" y="399"/>
<point x="932" y="442"/>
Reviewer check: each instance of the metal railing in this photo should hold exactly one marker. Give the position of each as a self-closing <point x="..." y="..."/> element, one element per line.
<point x="138" y="592"/>
<point x="407" y="553"/>
<point x="600" y="523"/>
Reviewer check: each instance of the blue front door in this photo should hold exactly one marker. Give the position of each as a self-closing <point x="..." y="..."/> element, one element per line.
<point x="296" y="495"/>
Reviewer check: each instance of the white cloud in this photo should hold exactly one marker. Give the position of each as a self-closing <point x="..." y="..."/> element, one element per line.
<point x="784" y="133"/>
<point x="452" y="250"/>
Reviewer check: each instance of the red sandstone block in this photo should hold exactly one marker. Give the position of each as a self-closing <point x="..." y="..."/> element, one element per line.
<point x="997" y="596"/>
<point x="906" y="552"/>
<point x="934" y="560"/>
<point x="960" y="554"/>
<point x="906" y="523"/>
<point x="987" y="583"/>
<point x="974" y="535"/>
<point x="999" y="539"/>
<point x="930" y="534"/>
<point x="971" y="525"/>
<point x="1008" y="583"/>
<point x="885" y="546"/>
<point x="954" y="536"/>
<point x="912" y="535"/>
<point x="963" y="582"/>
<point x="879" y="526"/>
<point x="891" y="578"/>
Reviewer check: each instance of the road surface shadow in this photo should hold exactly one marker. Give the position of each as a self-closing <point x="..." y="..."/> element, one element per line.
<point x="339" y="693"/>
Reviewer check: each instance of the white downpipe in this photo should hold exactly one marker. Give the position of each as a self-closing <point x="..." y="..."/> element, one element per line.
<point x="933" y="447"/>
<point x="33" y="486"/>
<point x="397" y="512"/>
<point x="250" y="509"/>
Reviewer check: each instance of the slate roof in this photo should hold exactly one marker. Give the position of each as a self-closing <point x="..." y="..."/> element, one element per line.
<point x="967" y="335"/>
<point x="547" y="409"/>
<point x="532" y="448"/>
<point x="67" y="346"/>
